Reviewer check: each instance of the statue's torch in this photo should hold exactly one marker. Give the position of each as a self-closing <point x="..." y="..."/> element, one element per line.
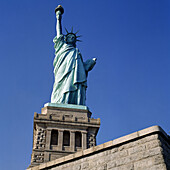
<point x="59" y="10"/>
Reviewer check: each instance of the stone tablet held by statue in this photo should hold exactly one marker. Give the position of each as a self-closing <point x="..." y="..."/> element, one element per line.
<point x="70" y="70"/>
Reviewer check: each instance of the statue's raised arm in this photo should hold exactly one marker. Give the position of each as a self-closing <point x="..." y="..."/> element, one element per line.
<point x="59" y="11"/>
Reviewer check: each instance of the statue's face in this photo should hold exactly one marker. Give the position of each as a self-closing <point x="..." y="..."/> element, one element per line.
<point x="71" y="39"/>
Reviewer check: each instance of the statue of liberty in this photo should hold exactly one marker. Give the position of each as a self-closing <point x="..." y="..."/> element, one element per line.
<point x="69" y="69"/>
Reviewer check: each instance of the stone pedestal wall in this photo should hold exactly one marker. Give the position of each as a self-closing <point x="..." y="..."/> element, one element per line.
<point x="148" y="149"/>
<point x="60" y="131"/>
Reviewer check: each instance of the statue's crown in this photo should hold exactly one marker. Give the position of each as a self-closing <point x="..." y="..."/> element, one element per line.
<point x="72" y="34"/>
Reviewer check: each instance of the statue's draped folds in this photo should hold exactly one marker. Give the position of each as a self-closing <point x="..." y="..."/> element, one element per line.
<point x="70" y="74"/>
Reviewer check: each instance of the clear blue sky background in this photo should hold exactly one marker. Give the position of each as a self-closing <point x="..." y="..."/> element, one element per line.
<point x="129" y="88"/>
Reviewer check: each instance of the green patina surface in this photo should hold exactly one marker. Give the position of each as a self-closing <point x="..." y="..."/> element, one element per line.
<point x="70" y="71"/>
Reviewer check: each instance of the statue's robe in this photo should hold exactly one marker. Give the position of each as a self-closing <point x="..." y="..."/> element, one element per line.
<point x="70" y="74"/>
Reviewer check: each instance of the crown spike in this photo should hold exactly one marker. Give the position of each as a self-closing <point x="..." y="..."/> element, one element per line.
<point x="66" y="30"/>
<point x="77" y="31"/>
<point x="79" y="36"/>
<point x="72" y="29"/>
<point x="79" y="40"/>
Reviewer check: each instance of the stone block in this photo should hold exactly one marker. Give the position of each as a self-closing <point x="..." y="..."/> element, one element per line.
<point x="158" y="167"/>
<point x="88" y="151"/>
<point x="122" y="161"/>
<point x="123" y="153"/>
<point x="102" y="167"/>
<point x="85" y="165"/>
<point x="78" y="154"/>
<point x="107" y="144"/>
<point x="155" y="151"/>
<point x="136" y="149"/>
<point x="42" y="166"/>
<point x="113" y="150"/>
<point x="50" y="163"/>
<point x="99" y="147"/>
<point x="77" y="167"/>
<point x="111" y="164"/>
<point x="69" y="157"/>
<point x="125" y="138"/>
<point x="100" y="161"/>
<point x="158" y="159"/>
<point x="92" y="163"/>
<point x="148" y="138"/>
<point x="115" y="155"/>
<point x="124" y="167"/>
<point x="145" y="163"/>
<point x="153" y="144"/>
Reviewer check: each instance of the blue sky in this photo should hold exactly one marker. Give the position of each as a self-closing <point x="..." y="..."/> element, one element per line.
<point x="129" y="88"/>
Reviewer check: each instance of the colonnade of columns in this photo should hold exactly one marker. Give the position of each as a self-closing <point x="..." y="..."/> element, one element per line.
<point x="72" y="141"/>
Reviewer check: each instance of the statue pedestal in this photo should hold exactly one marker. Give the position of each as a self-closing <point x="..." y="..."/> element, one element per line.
<point x="61" y="130"/>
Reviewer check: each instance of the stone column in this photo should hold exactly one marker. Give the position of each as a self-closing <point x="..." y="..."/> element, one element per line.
<point x="48" y="139"/>
<point x="84" y="140"/>
<point x="60" y="139"/>
<point x="72" y="141"/>
<point x="47" y="146"/>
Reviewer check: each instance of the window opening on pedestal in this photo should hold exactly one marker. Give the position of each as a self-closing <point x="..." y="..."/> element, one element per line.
<point x="66" y="138"/>
<point x="78" y="139"/>
<point x="54" y="137"/>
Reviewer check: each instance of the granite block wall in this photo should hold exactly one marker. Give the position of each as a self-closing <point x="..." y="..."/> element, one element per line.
<point x="148" y="149"/>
